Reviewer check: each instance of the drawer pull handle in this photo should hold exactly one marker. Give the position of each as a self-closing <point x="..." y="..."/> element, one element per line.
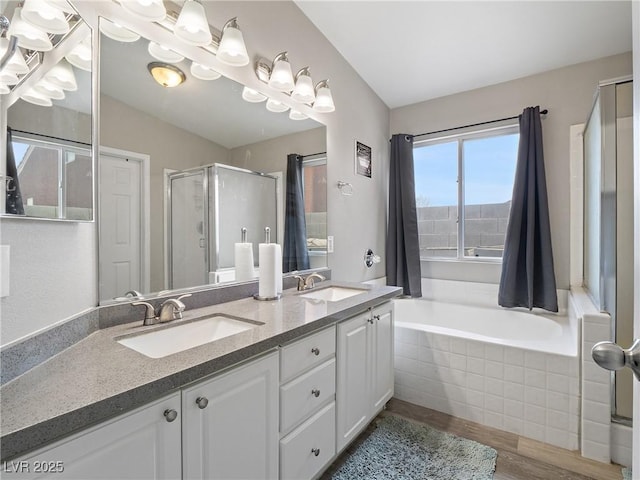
<point x="170" y="415"/>
<point x="315" y="392"/>
<point x="202" y="402"/>
<point x="315" y="451"/>
<point x="315" y="351"/>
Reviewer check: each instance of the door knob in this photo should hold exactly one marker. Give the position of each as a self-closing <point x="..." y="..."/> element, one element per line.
<point x="611" y="356"/>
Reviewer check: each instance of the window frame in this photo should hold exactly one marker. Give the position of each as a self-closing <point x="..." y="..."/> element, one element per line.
<point x="507" y="128"/>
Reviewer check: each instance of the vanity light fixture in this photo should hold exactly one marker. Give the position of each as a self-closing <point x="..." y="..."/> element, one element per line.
<point x="192" y="25"/>
<point x="37" y="98"/>
<point x="296" y="115"/>
<point x="232" y="49"/>
<point x="276" y="106"/>
<point x="61" y="75"/>
<point x="166" y="74"/>
<point x="16" y="63"/>
<point x="281" y="78"/>
<point x="150" y="10"/>
<point x="203" y="72"/>
<point x="80" y="55"/>
<point x="252" y="96"/>
<point x="117" y="32"/>
<point x="303" y="91"/>
<point x="164" y="54"/>
<point x="29" y="37"/>
<point x="324" y="99"/>
<point x="8" y="78"/>
<point x="42" y="15"/>
<point x="48" y="89"/>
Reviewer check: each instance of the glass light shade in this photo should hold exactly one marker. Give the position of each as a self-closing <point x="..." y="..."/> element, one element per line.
<point x="203" y="72"/>
<point x="7" y="78"/>
<point x="42" y="15"/>
<point x="232" y="49"/>
<point x="150" y="10"/>
<point x="281" y="78"/>
<point x="61" y="75"/>
<point x="276" y="106"/>
<point x="303" y="91"/>
<point x="251" y="96"/>
<point x="35" y="97"/>
<point x="117" y="32"/>
<point x="166" y="75"/>
<point x="324" y="101"/>
<point x="16" y="63"/>
<point x="192" y="25"/>
<point x="28" y="36"/>
<point x="164" y="54"/>
<point x="48" y="89"/>
<point x="80" y="55"/>
<point x="61" y="5"/>
<point x="4" y="89"/>
<point x="295" y="115"/>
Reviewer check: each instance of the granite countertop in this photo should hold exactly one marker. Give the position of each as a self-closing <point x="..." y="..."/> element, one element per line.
<point x="98" y="378"/>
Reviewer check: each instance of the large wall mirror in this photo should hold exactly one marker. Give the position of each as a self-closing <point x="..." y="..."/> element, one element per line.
<point x="46" y="96"/>
<point x="184" y="169"/>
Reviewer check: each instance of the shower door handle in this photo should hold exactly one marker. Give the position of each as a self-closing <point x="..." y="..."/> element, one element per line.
<point x="612" y="356"/>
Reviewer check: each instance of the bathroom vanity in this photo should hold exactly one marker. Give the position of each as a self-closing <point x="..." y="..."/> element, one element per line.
<point x="279" y="400"/>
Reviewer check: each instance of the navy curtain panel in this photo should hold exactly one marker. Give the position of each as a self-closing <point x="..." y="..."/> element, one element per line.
<point x="528" y="278"/>
<point x="13" y="196"/>
<point x="403" y="250"/>
<point x="295" y="254"/>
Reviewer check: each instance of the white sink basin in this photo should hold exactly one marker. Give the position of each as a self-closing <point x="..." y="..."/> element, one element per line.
<point x="176" y="338"/>
<point x="333" y="294"/>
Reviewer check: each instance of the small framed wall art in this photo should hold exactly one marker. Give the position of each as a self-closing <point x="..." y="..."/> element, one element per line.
<point x="363" y="159"/>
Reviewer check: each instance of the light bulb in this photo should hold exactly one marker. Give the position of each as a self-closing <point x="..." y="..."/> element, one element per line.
<point x="8" y="78"/>
<point x="296" y="115"/>
<point x="276" y="106"/>
<point x="192" y="25"/>
<point x="281" y="78"/>
<point x="28" y="36"/>
<point x="35" y="97"/>
<point x="61" y="74"/>
<point x="163" y="53"/>
<point x="203" y="72"/>
<point x="16" y="63"/>
<point x="303" y="91"/>
<point x="48" y="89"/>
<point x="324" y="99"/>
<point x="43" y="15"/>
<point x="251" y="96"/>
<point x="232" y="49"/>
<point x="117" y="32"/>
<point x="80" y="55"/>
<point x="150" y="10"/>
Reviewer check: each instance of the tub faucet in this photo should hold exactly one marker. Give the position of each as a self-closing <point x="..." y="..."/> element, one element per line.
<point x="309" y="282"/>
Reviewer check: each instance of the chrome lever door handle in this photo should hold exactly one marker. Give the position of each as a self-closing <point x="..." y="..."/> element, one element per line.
<point x="612" y="356"/>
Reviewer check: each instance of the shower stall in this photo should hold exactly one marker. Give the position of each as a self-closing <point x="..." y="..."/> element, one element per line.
<point x="207" y="208"/>
<point x="608" y="222"/>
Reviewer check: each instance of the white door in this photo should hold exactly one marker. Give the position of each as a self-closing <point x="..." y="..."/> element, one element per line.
<point x="636" y="164"/>
<point x="230" y="424"/>
<point x="120" y="226"/>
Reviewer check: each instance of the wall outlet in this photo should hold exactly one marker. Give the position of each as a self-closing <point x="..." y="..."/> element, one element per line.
<point x="330" y="244"/>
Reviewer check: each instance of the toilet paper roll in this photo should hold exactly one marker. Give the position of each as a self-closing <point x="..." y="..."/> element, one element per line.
<point x="268" y="258"/>
<point x="243" y="261"/>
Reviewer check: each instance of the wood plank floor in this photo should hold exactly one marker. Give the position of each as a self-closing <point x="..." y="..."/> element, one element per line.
<point x="519" y="458"/>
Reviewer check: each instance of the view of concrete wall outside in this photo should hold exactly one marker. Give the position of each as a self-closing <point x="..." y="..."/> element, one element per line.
<point x="485" y="228"/>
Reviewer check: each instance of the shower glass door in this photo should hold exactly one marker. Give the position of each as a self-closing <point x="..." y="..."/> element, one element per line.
<point x="188" y="258"/>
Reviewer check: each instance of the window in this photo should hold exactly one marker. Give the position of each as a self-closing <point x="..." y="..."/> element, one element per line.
<point x="314" y="171"/>
<point x="464" y="185"/>
<point x="56" y="180"/>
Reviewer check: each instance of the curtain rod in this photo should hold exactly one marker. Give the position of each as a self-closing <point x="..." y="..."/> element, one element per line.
<point x="51" y="137"/>
<point x="542" y="112"/>
<point x="313" y="154"/>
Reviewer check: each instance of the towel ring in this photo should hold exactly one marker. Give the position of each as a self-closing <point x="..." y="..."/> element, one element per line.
<point x="345" y="188"/>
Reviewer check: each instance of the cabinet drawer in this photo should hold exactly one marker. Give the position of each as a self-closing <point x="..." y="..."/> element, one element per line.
<point x="308" y="449"/>
<point x="304" y="394"/>
<point x="303" y="354"/>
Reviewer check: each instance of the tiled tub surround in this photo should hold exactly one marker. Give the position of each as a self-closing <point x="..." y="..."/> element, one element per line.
<point x="97" y="378"/>
<point x="498" y="382"/>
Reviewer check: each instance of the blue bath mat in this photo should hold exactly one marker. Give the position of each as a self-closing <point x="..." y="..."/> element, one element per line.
<point x="402" y="450"/>
<point x="626" y="473"/>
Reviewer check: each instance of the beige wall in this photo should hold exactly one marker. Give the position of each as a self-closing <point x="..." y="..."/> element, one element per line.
<point x="567" y="93"/>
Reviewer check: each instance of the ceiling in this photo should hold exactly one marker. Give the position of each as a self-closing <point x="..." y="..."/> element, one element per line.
<point x="412" y="51"/>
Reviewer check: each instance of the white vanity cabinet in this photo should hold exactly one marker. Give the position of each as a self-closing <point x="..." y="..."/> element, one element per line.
<point x="230" y="423"/>
<point x="365" y="370"/>
<point x="141" y="444"/>
<point x="307" y="405"/>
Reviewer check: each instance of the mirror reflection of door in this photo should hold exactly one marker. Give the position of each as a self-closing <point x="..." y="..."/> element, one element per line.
<point x="120" y="226"/>
<point x="188" y="230"/>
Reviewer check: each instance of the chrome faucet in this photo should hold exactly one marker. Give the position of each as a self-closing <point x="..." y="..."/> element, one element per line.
<point x="170" y="309"/>
<point x="309" y="282"/>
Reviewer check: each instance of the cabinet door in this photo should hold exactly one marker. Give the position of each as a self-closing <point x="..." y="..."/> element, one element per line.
<point x="352" y="388"/>
<point x="231" y="424"/>
<point x="382" y="353"/>
<point x="141" y="444"/>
